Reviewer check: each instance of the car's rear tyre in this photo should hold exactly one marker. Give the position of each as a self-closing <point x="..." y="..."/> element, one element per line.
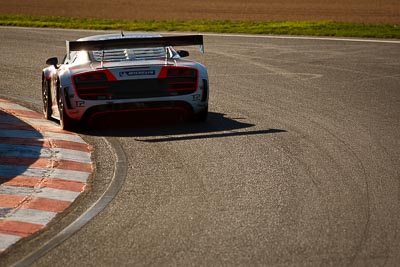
<point x="66" y="122"/>
<point x="201" y="116"/>
<point x="46" y="97"/>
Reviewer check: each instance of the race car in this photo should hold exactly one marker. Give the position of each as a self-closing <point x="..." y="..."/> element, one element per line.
<point x="124" y="72"/>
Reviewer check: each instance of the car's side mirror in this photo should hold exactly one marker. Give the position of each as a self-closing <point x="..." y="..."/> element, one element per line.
<point x="52" y="61"/>
<point x="183" y="53"/>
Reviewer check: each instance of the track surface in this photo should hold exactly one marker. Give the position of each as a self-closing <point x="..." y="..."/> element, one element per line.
<point x="298" y="163"/>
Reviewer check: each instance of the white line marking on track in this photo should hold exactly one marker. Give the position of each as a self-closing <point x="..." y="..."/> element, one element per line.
<point x="327" y="38"/>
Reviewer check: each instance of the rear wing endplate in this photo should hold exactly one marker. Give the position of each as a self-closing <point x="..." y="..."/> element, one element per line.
<point x="121" y="43"/>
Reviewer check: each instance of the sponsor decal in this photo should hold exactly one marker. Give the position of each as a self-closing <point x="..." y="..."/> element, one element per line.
<point x="196" y="97"/>
<point x="136" y="73"/>
<point x="79" y="104"/>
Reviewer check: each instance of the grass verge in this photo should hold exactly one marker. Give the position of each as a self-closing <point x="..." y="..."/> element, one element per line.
<point x="315" y="28"/>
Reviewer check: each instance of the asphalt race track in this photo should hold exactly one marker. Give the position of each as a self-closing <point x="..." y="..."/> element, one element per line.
<point x="298" y="163"/>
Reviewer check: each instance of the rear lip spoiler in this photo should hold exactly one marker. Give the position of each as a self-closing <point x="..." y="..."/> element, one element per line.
<point x="185" y="40"/>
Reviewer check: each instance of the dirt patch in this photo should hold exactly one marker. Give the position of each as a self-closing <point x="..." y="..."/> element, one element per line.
<point x="368" y="11"/>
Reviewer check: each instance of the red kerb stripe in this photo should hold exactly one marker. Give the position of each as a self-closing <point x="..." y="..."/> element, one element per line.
<point x="56" y="183"/>
<point x="36" y="203"/>
<point x="22" y="229"/>
<point x="46" y="163"/>
<point x="46" y="143"/>
<point x="10" y="201"/>
<point x="25" y="113"/>
<point x="45" y="204"/>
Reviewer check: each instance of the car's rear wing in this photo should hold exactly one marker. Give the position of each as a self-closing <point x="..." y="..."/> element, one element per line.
<point x="185" y="40"/>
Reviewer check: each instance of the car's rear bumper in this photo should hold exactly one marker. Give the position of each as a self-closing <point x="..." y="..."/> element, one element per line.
<point x="100" y="110"/>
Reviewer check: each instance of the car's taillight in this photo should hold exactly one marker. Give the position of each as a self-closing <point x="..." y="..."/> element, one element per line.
<point x="92" y="85"/>
<point x="181" y="80"/>
<point x="90" y="77"/>
<point x="181" y="72"/>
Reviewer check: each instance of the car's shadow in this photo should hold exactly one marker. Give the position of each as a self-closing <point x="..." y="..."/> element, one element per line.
<point x="21" y="145"/>
<point x="167" y="127"/>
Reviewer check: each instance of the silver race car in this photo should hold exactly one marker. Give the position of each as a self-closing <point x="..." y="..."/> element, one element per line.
<point x="117" y="73"/>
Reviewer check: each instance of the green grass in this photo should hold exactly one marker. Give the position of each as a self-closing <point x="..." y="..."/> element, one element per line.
<point x="315" y="28"/>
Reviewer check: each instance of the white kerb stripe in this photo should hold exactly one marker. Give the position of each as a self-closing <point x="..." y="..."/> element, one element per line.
<point x="76" y="176"/>
<point x="64" y="137"/>
<point x="40" y="122"/>
<point x="8" y="119"/>
<point x="44" y="152"/>
<point x="7" y="105"/>
<point x="7" y="240"/>
<point x="69" y="175"/>
<point x="20" y="134"/>
<point x="73" y="155"/>
<point x="51" y="193"/>
<point x="57" y="194"/>
<point x="44" y="135"/>
<point x="32" y="216"/>
<point x="16" y="190"/>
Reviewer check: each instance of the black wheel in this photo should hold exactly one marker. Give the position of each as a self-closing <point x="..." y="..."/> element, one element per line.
<point x="66" y="122"/>
<point x="46" y="97"/>
<point x="201" y="116"/>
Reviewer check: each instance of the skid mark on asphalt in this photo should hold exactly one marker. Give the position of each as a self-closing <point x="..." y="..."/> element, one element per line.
<point x="271" y="69"/>
<point x="42" y="171"/>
